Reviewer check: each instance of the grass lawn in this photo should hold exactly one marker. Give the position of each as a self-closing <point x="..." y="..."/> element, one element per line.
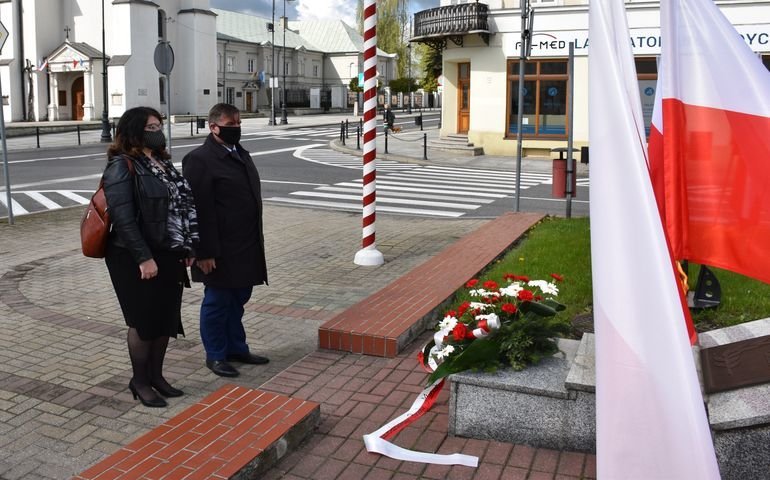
<point x="563" y="246"/>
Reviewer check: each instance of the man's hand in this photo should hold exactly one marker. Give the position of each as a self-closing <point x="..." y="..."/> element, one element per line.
<point x="207" y="265"/>
<point x="148" y="269"/>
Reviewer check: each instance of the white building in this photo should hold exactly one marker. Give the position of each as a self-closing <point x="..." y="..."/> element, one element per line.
<point x="481" y="48"/>
<point x="315" y="61"/>
<point x="51" y="66"/>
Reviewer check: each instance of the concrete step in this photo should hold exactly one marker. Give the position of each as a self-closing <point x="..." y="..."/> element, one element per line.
<point x="462" y="150"/>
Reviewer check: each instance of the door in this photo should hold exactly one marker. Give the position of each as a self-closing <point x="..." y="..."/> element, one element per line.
<point x="463" y="97"/>
<point x="249" y="102"/>
<point x="78" y="99"/>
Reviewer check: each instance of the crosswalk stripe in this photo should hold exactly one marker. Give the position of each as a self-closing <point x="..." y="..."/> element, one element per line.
<point x="348" y="206"/>
<point x="358" y="191"/>
<point x="17" y="208"/>
<point x="418" y="176"/>
<point x="43" y="200"/>
<point x="73" y="196"/>
<point x="445" y="188"/>
<point x="380" y="186"/>
<point x="477" y="170"/>
<point x="423" y="203"/>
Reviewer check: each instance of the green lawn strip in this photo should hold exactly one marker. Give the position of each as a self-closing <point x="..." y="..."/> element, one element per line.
<point x="563" y="246"/>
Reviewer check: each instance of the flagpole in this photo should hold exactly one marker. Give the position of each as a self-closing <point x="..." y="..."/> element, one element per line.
<point x="570" y="123"/>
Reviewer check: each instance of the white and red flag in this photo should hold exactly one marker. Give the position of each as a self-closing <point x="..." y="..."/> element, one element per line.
<point x="650" y="419"/>
<point x="710" y="142"/>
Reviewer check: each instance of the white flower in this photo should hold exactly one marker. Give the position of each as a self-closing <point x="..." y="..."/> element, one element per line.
<point x="448" y="323"/>
<point x="512" y="290"/>
<point x="479" y="306"/>
<point x="490" y="318"/>
<point x="480" y="292"/>
<point x="545" y="287"/>
<point x="444" y="353"/>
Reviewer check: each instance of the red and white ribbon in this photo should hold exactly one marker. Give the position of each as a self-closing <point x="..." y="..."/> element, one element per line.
<point x="377" y="442"/>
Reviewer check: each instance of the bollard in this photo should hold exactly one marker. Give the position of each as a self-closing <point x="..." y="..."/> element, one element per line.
<point x="358" y="138"/>
<point x="386" y="139"/>
<point x="439" y="119"/>
<point x="347" y="132"/>
<point x="421" y="121"/>
<point x="196" y="125"/>
<point x="424" y="146"/>
<point x="114" y="129"/>
<point x="342" y="132"/>
<point x="37" y="136"/>
<point x="191" y="122"/>
<point x="78" y="127"/>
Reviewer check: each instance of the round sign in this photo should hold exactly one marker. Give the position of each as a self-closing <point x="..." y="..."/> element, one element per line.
<point x="649" y="91"/>
<point x="164" y="58"/>
<point x="552" y="91"/>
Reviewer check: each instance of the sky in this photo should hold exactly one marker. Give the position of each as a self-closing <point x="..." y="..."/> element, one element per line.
<point x="308" y="9"/>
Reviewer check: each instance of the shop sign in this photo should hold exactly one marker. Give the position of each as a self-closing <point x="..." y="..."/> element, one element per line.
<point x="644" y="41"/>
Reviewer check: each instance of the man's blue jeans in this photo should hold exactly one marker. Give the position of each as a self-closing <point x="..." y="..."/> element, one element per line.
<point x="222" y="330"/>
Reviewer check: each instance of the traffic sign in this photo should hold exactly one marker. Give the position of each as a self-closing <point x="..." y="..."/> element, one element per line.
<point x="3" y="35"/>
<point x="164" y="58"/>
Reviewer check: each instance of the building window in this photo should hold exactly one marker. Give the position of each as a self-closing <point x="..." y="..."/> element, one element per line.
<point x="315" y="70"/>
<point x="219" y="62"/>
<point x="286" y="69"/>
<point x="162" y="85"/>
<point x="230" y="95"/>
<point x="62" y="98"/>
<point x="161" y="24"/>
<point x="230" y="63"/>
<point x="250" y="65"/>
<point x="545" y="98"/>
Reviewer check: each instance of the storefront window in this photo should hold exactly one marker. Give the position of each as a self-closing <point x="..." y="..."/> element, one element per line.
<point x="545" y="98"/>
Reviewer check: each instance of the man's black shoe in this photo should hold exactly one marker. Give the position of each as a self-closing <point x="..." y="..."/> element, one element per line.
<point x="247" y="358"/>
<point x="222" y="368"/>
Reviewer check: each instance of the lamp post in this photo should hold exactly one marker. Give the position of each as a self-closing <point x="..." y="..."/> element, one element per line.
<point x="283" y="88"/>
<point x="106" y="134"/>
<point x="272" y="70"/>
<point x="409" y="81"/>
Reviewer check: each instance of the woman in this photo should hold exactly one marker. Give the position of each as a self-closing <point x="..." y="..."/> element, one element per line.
<point x="154" y="227"/>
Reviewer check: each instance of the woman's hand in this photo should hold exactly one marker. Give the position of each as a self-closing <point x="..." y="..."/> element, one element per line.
<point x="188" y="262"/>
<point x="148" y="269"/>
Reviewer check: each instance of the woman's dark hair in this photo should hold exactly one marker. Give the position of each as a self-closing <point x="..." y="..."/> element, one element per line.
<point x="129" y="135"/>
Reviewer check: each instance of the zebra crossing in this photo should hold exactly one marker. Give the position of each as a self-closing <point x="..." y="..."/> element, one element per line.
<point x="325" y="156"/>
<point x="302" y="133"/>
<point x="435" y="191"/>
<point x="30" y="201"/>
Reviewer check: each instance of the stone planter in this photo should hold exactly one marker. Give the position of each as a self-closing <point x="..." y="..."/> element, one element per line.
<point x="552" y="405"/>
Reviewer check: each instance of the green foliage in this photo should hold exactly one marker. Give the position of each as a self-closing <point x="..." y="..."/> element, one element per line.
<point x="392" y="23"/>
<point x="402" y="85"/>
<point x="430" y="66"/>
<point x="353" y="85"/>
<point x="479" y="355"/>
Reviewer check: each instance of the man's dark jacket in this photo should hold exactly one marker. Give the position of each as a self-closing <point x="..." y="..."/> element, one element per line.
<point x="229" y="204"/>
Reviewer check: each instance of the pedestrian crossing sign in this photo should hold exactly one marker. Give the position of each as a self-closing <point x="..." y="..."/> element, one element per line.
<point x="3" y="35"/>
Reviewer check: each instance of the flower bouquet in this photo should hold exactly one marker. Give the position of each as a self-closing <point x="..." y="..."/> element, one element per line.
<point x="513" y="325"/>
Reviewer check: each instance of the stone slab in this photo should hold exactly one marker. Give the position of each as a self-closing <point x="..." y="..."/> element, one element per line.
<point x="531" y="406"/>
<point x="582" y="374"/>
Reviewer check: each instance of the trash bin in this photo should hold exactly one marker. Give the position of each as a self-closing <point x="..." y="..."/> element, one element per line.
<point x="418" y="120"/>
<point x="559" y="176"/>
<point x="201" y="122"/>
<point x="583" y="154"/>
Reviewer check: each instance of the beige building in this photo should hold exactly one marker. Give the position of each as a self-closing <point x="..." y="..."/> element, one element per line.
<point x="481" y="49"/>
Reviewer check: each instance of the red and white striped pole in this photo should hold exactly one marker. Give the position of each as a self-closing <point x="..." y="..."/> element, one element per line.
<point x="369" y="255"/>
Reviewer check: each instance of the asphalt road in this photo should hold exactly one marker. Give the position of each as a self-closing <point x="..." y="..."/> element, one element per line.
<point x="298" y="168"/>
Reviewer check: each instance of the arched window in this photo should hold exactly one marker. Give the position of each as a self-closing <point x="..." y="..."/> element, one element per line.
<point x="161" y="24"/>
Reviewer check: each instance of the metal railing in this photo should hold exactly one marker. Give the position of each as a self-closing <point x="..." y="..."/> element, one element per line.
<point x="451" y="20"/>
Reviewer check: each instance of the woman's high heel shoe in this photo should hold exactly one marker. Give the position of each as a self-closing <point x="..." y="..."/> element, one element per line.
<point x="156" y="402"/>
<point x="167" y="392"/>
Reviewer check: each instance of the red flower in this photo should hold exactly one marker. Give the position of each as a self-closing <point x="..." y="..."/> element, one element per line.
<point x="557" y="277"/>
<point x="488" y="300"/>
<point x="491" y="285"/>
<point x="538" y="298"/>
<point x="522" y="278"/>
<point x="471" y="283"/>
<point x="459" y="331"/>
<point x="475" y="312"/>
<point x="509" y="308"/>
<point x="451" y="313"/>
<point x="526" y="295"/>
<point x="509" y="276"/>
<point x="463" y="308"/>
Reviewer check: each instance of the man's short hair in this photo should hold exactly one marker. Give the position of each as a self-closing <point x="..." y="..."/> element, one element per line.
<point x="222" y="110"/>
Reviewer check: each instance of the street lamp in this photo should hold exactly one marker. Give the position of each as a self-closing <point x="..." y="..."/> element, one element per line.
<point x="106" y="134"/>
<point x="283" y="87"/>
<point x="409" y="82"/>
<point x="272" y="70"/>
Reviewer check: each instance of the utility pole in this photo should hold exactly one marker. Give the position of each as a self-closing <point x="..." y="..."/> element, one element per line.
<point x="526" y="39"/>
<point x="272" y="70"/>
<point x="106" y="133"/>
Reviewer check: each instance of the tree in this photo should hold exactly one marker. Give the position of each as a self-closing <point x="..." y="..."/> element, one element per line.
<point x="430" y="65"/>
<point x="353" y="85"/>
<point x="401" y="85"/>
<point x="391" y="29"/>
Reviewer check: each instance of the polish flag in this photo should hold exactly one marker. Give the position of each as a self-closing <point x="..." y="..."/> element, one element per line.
<point x="650" y="419"/>
<point x="710" y="143"/>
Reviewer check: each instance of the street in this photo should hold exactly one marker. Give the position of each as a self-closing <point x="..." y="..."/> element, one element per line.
<point x="298" y="168"/>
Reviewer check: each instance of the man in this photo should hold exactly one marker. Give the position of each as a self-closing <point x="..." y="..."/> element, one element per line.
<point x="231" y="254"/>
<point x="389" y="118"/>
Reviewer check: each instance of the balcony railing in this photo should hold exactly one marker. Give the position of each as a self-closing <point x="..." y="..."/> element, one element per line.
<point x="452" y="21"/>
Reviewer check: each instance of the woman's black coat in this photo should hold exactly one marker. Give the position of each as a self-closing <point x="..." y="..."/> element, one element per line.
<point x="228" y="200"/>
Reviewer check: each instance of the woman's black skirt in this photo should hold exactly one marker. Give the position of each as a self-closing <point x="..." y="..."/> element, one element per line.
<point x="152" y="307"/>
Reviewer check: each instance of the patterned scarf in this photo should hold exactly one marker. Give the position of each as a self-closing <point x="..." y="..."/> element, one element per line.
<point x="182" y="224"/>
